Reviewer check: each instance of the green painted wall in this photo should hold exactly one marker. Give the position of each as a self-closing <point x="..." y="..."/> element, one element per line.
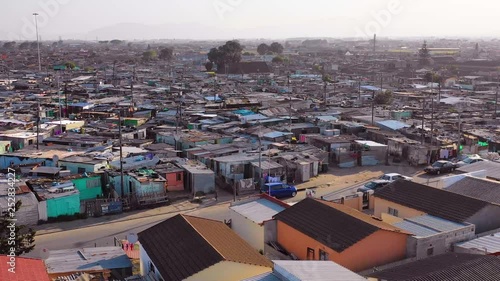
<point x="88" y="192"/>
<point x="67" y="205"/>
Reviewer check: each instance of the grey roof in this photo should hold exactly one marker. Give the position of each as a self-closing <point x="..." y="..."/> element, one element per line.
<point x="266" y="165"/>
<point x="259" y="210"/>
<point x="428" y="225"/>
<point x="314" y="271"/>
<point x="490" y="243"/>
<point x="87" y="259"/>
<point x="270" y="276"/>
<point x="492" y="169"/>
<point x="486" y="190"/>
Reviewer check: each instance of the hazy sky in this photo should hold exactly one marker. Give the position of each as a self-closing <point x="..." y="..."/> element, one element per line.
<point x="223" y="19"/>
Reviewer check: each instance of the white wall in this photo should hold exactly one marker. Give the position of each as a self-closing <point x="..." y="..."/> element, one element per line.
<point x="248" y="230"/>
<point x="145" y="262"/>
<point x="42" y="210"/>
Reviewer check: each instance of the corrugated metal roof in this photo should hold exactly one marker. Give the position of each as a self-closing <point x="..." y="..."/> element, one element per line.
<point x="266" y="165"/>
<point x="490" y="243"/>
<point x="314" y="270"/>
<point x="416" y="229"/>
<point x="259" y="210"/>
<point x="428" y="225"/>
<point x="92" y="259"/>
<point x="436" y="223"/>
<point x="392" y="124"/>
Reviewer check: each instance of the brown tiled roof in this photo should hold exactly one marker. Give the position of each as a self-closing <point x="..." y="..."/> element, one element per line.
<point x="226" y="242"/>
<point x="434" y="201"/>
<point x="452" y="266"/>
<point x="336" y="226"/>
<point x="183" y="245"/>
<point x="486" y="190"/>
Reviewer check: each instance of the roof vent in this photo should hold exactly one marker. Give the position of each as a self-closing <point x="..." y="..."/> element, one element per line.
<point x="82" y="255"/>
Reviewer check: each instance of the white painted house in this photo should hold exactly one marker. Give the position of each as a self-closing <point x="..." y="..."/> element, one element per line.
<point x="253" y="220"/>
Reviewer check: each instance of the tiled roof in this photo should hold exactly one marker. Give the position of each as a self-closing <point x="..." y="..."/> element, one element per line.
<point x="477" y="188"/>
<point x="434" y="201"/>
<point x="26" y="269"/>
<point x="452" y="266"/>
<point x="183" y="245"/>
<point x="225" y="241"/>
<point x="337" y="226"/>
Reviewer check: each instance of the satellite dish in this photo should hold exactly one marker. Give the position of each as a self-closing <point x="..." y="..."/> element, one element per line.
<point x="44" y="253"/>
<point x="132" y="238"/>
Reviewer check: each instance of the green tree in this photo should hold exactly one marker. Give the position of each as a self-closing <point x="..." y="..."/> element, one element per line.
<point x="278" y="59"/>
<point x="15" y="237"/>
<point x="166" y="54"/>
<point x="149" y="55"/>
<point x="227" y="53"/>
<point x="433" y="77"/>
<point x="70" y="64"/>
<point x="383" y="98"/>
<point x="116" y="42"/>
<point x="209" y="66"/>
<point x="424" y="55"/>
<point x="9" y="45"/>
<point x="34" y="45"/>
<point x="263" y="49"/>
<point x="25" y="45"/>
<point x="276" y="48"/>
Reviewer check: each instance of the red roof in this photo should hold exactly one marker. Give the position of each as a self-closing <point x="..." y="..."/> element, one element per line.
<point x="26" y="269"/>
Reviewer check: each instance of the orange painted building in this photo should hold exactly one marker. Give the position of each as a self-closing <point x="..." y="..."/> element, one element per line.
<point x="320" y="230"/>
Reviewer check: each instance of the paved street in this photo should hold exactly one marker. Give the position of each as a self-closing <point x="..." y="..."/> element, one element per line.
<point x="101" y="231"/>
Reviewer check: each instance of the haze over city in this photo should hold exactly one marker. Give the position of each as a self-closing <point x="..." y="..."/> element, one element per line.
<point x="228" y="19"/>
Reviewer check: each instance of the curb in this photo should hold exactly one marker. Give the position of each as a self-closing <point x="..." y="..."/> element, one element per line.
<point x="132" y="219"/>
<point x="116" y="221"/>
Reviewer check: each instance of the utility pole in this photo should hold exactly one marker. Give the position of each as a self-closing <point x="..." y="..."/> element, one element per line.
<point x="132" y="91"/>
<point x="121" y="151"/>
<point x="432" y="110"/>
<point x="37" y="125"/>
<point x="59" y="103"/>
<point x="260" y="156"/>
<point x="496" y="101"/>
<point x="373" y="107"/>
<point x="289" y="108"/>
<point x="66" y="98"/>
<point x="423" y="119"/>
<point x="114" y="79"/>
<point x="38" y="43"/>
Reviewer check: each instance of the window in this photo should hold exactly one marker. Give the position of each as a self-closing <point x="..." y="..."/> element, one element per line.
<point x="152" y="267"/>
<point x="178" y="176"/>
<point x="91" y="183"/>
<point x="430" y="251"/>
<point x="310" y="254"/>
<point x="393" y="212"/>
<point x="81" y="170"/>
<point x="323" y="256"/>
<point x="63" y="168"/>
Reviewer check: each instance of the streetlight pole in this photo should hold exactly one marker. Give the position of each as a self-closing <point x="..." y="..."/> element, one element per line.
<point x="38" y="42"/>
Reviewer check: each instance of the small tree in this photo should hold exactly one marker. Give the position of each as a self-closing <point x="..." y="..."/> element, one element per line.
<point x="15" y="238"/>
<point x="149" y="55"/>
<point x="424" y="55"/>
<point x="276" y="48"/>
<point x="209" y="66"/>
<point x="383" y="98"/>
<point x="263" y="49"/>
<point x="70" y="65"/>
<point x="278" y="59"/>
<point x="166" y="54"/>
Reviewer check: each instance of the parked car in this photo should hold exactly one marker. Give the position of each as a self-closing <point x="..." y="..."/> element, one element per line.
<point x="373" y="185"/>
<point x="441" y="166"/>
<point x="394" y="176"/>
<point x="469" y="160"/>
<point x="279" y="189"/>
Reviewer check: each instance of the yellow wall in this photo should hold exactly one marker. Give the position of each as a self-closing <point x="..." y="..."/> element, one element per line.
<point x="379" y="248"/>
<point x="248" y="230"/>
<point x="229" y="271"/>
<point x="382" y="206"/>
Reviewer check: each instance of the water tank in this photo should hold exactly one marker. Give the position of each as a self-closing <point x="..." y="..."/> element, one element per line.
<point x="328" y="133"/>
